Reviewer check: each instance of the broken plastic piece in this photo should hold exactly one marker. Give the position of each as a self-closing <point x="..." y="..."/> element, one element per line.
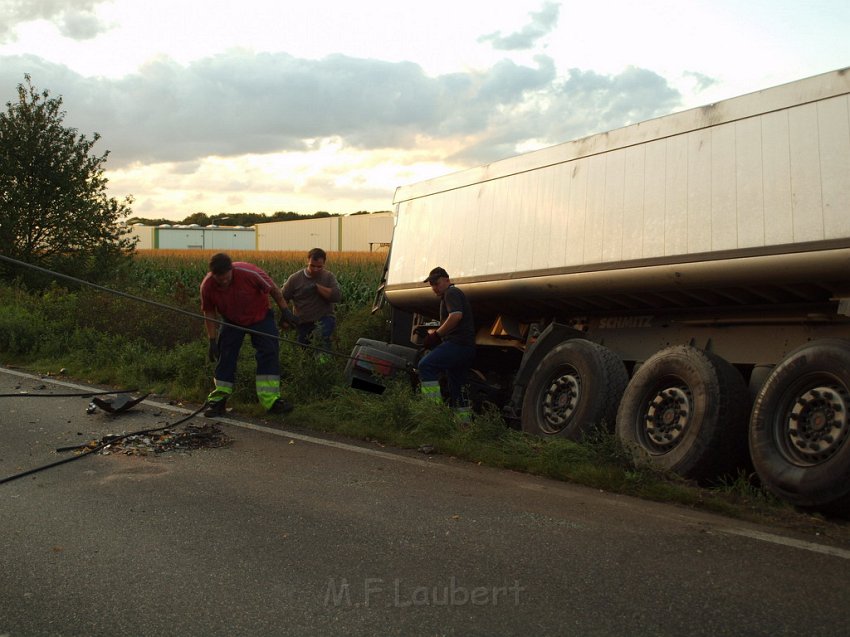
<point x="120" y="403"/>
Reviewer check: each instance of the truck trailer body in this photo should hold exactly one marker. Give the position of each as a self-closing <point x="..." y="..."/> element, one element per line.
<point x="684" y="281"/>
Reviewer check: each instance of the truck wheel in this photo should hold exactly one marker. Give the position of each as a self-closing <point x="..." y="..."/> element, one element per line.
<point x="576" y="386"/>
<point x="800" y="427"/>
<point x="685" y="410"/>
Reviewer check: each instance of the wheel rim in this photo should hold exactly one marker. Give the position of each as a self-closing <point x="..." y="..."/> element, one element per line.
<point x="814" y="426"/>
<point x="560" y="400"/>
<point x="666" y="417"/>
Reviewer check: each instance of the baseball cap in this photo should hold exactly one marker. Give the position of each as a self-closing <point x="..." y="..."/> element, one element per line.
<point x="435" y="274"/>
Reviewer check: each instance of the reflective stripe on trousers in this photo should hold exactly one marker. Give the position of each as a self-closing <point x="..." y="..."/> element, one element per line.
<point x="431" y="390"/>
<point x="267" y="355"/>
<point x="268" y="389"/>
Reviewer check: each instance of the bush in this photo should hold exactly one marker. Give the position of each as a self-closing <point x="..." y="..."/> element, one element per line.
<point x="21" y="330"/>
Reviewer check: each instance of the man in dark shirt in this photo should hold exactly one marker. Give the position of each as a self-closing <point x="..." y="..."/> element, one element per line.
<point x="452" y="344"/>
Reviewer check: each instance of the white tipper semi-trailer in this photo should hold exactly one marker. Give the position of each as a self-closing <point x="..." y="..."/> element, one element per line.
<point x="684" y="281"/>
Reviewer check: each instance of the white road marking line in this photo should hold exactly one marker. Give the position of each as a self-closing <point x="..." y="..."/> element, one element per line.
<point x="787" y="541"/>
<point x="328" y="443"/>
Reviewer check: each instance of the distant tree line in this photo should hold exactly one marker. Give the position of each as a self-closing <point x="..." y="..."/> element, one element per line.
<point x="246" y="219"/>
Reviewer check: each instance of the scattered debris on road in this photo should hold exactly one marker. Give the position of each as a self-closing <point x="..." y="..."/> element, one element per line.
<point x="207" y="436"/>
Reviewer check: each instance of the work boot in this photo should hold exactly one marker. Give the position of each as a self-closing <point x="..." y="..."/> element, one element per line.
<point x="431" y="390"/>
<point x="216" y="408"/>
<point x="280" y="407"/>
<point x="463" y="415"/>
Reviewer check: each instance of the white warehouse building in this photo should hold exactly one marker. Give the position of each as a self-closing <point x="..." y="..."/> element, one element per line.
<point x="196" y="237"/>
<point x="355" y="233"/>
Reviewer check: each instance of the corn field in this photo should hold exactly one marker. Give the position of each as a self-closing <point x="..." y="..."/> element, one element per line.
<point x="177" y="274"/>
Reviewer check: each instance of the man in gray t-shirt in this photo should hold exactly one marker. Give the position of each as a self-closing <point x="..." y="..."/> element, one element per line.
<point x="313" y="291"/>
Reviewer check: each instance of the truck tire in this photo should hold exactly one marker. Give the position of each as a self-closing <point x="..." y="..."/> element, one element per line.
<point x="686" y="411"/>
<point x="800" y="427"/>
<point x="576" y="386"/>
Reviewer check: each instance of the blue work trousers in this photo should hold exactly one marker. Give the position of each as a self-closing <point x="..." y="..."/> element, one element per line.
<point x="267" y="349"/>
<point x="324" y="326"/>
<point x="455" y="360"/>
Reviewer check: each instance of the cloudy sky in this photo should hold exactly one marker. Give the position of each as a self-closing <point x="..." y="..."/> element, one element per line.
<point x="266" y="105"/>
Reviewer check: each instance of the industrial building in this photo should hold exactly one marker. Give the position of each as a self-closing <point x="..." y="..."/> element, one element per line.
<point x="357" y="233"/>
<point x="354" y="233"/>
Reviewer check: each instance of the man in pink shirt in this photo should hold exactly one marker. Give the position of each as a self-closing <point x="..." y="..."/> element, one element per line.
<point x="238" y="293"/>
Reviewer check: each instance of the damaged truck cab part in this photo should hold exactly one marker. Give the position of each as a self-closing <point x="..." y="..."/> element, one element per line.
<point x="683" y="282"/>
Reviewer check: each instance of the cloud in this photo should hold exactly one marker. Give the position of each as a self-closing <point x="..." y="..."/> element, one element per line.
<point x="578" y="105"/>
<point x="242" y="103"/>
<point x="542" y="23"/>
<point x="701" y="81"/>
<point x="76" y="19"/>
<point x="512" y="104"/>
<point x="81" y="25"/>
<point x="603" y="102"/>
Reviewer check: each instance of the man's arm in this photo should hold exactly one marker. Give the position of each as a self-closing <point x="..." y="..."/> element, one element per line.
<point x="286" y="288"/>
<point x="449" y="324"/>
<point x="287" y="318"/>
<point x="212" y="327"/>
<point x="277" y="295"/>
<point x="330" y="293"/>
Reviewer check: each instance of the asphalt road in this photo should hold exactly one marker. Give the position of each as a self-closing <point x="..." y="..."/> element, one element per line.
<point x="283" y="533"/>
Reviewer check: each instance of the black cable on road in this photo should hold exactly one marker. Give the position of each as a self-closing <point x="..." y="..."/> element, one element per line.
<point x="80" y="395"/>
<point x="102" y="445"/>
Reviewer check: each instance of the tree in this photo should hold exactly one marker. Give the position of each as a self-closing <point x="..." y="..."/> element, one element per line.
<point x="148" y="222"/>
<point x="54" y="208"/>
<point x="246" y="219"/>
<point x="201" y="218"/>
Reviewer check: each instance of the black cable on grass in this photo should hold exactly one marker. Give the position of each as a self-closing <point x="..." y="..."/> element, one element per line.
<point x="102" y="445"/>
<point x="171" y="308"/>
